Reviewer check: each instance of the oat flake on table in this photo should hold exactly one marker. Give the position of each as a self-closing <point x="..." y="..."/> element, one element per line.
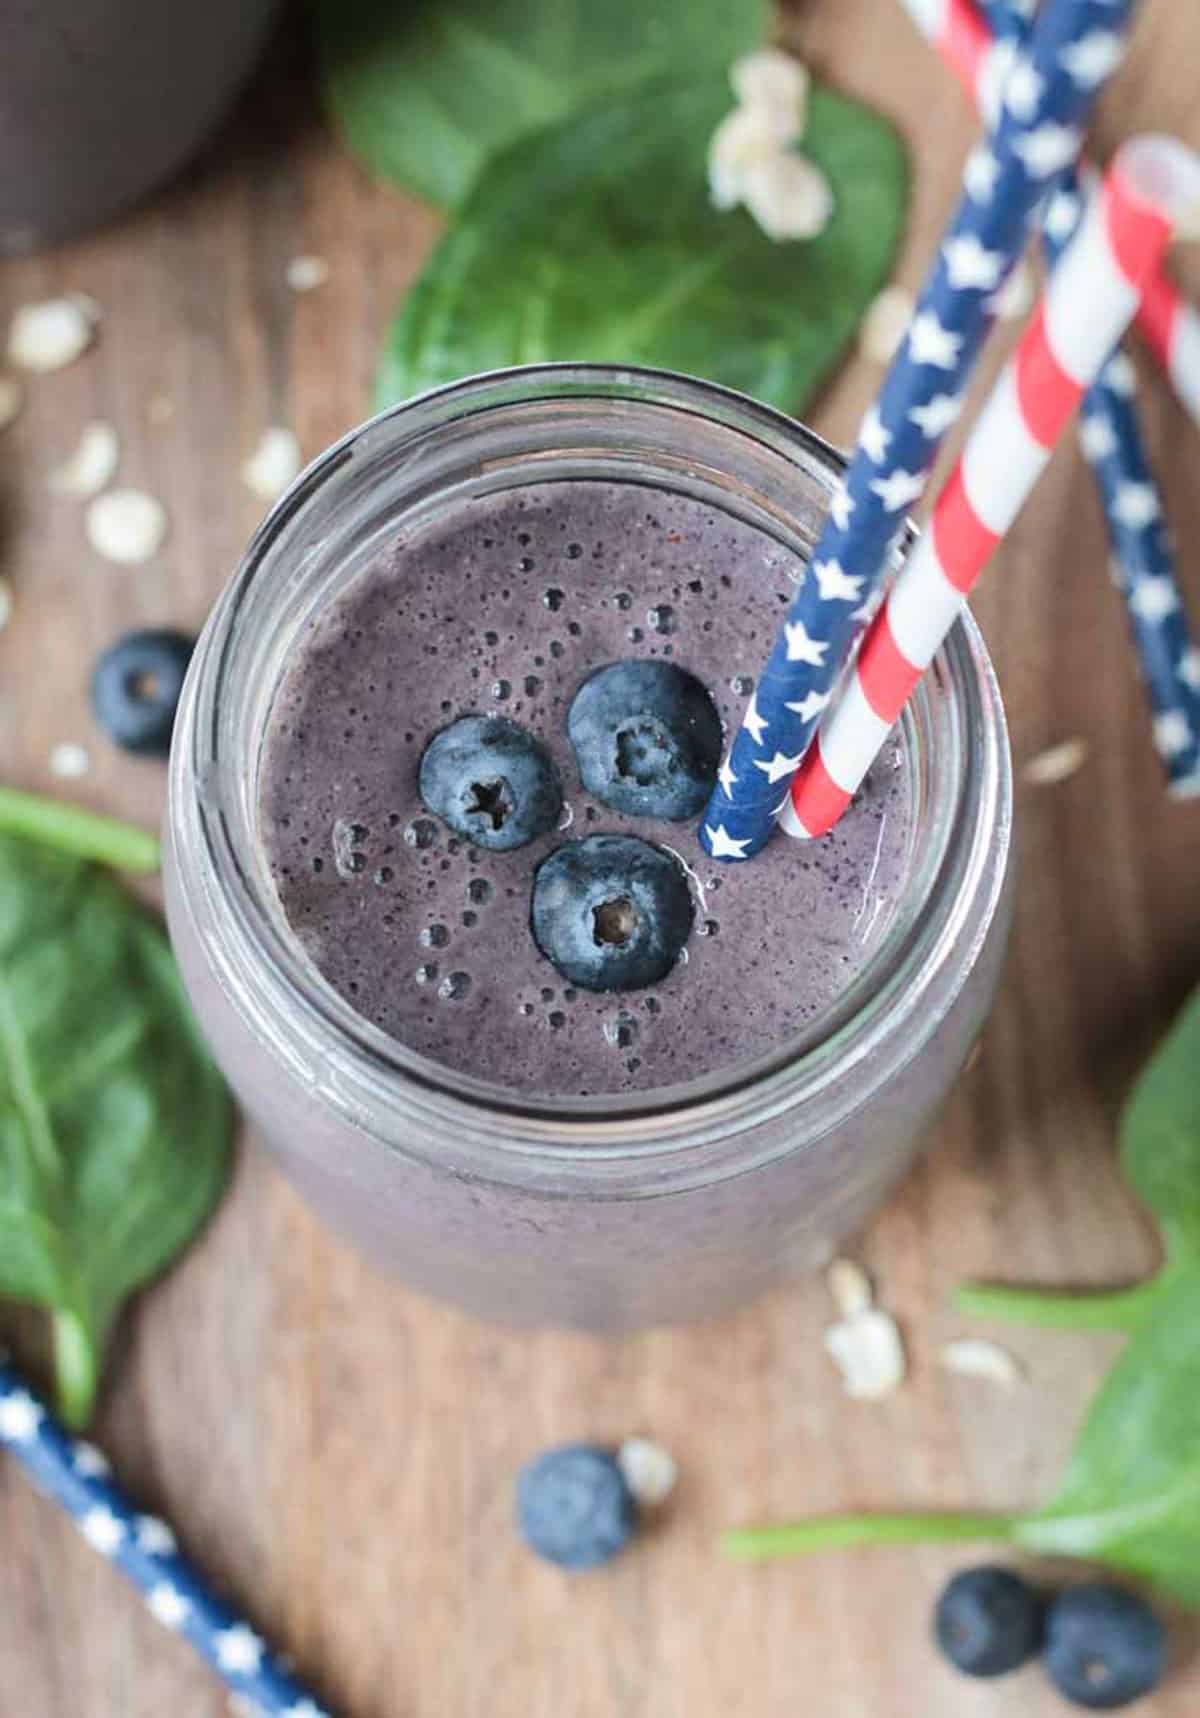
<point x="69" y="760"/>
<point x="54" y="333"/>
<point x="788" y="196"/>
<point x="306" y="273"/>
<point x="978" y="1357"/>
<point x="1056" y="763"/>
<point x="648" y="1469"/>
<point x="849" y="1287"/>
<point x="273" y="464"/>
<point x="885" y="324"/>
<point x="777" y="85"/>
<point x="92" y="466"/>
<point x="869" y="1353"/>
<point x="745" y="135"/>
<point x="1012" y="301"/>
<point x="126" y="526"/>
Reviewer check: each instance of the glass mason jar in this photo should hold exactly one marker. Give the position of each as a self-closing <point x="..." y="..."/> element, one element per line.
<point x="602" y="1212"/>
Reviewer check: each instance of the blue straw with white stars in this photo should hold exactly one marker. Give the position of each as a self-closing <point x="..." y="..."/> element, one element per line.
<point x="1009" y="20"/>
<point x="1143" y="565"/>
<point x="1053" y="82"/>
<point x="76" y="1475"/>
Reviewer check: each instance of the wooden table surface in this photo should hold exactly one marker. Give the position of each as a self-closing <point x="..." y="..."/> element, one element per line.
<point x="340" y="1452"/>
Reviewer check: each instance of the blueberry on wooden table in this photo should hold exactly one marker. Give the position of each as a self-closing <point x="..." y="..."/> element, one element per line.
<point x="491" y="781"/>
<point x="1104" y="1647"/>
<point x="647" y="738"/>
<point x="574" y="1506"/>
<point x="988" y="1621"/>
<point x="611" y="912"/>
<point x="136" y="685"/>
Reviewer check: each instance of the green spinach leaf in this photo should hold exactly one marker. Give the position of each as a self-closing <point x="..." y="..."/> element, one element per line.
<point x="114" y="1123"/>
<point x="1130" y="1498"/>
<point x="424" y="91"/>
<point x="596" y="240"/>
<point x="1160" y="1158"/>
<point x="1131" y="1495"/>
<point x="1160" y="1136"/>
<point x="71" y="829"/>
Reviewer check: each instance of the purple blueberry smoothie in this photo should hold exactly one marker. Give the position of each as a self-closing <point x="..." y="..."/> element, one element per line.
<point x="499" y="1134"/>
<point x="504" y="609"/>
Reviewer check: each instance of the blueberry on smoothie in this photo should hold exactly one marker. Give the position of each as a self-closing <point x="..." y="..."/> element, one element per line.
<point x="574" y="1506"/>
<point x="136" y="686"/>
<point x="611" y="912"/>
<point x="648" y="739"/>
<point x="491" y="781"/>
<point x="1104" y="1647"/>
<point x="988" y="1621"/>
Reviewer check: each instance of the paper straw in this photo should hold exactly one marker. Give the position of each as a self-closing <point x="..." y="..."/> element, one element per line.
<point x="1143" y="562"/>
<point x="1009" y="17"/>
<point x="1047" y="97"/>
<point x="76" y="1476"/>
<point x="965" y="39"/>
<point x="1090" y="300"/>
<point x="1171" y="327"/>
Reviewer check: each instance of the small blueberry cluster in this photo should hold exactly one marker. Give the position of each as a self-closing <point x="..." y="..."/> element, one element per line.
<point x="611" y="912"/>
<point x="1101" y="1647"/>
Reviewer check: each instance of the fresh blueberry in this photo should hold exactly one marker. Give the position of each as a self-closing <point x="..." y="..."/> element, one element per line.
<point x="1104" y="1647"/>
<point x="988" y="1621"/>
<point x="136" y="686"/>
<point x="648" y="739"/>
<point x="491" y="781"/>
<point x="574" y="1507"/>
<point x="611" y="912"/>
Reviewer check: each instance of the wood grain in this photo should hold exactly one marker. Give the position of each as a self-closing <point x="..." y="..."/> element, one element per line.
<point x="340" y="1453"/>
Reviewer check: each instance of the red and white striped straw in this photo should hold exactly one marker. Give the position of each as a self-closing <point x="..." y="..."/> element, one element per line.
<point x="1153" y="183"/>
<point x="1171" y="327"/>
<point x="962" y="36"/>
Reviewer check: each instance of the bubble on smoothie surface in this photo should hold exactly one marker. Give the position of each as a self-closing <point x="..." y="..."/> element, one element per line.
<point x="621" y="1031"/>
<point x="421" y="833"/>
<point x="348" y="838"/>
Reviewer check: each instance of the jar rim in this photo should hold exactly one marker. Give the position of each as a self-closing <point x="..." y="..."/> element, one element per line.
<point x="257" y="951"/>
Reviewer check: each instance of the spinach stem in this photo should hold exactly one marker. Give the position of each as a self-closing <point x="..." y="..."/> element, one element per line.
<point x="823" y="1533"/>
<point x="76" y="1368"/>
<point x="1106" y="1309"/>
<point x="71" y="829"/>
